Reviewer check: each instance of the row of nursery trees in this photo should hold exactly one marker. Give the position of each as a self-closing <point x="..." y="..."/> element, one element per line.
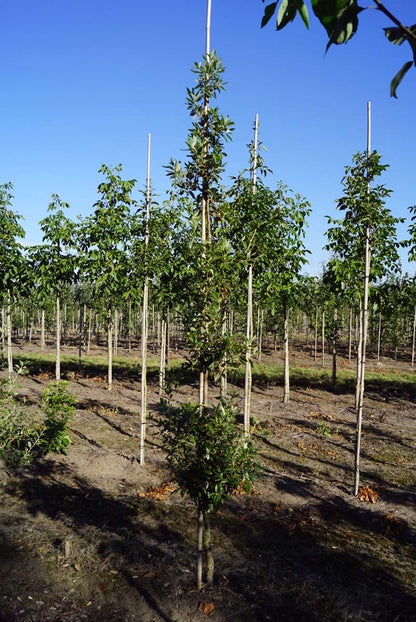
<point x="205" y="256"/>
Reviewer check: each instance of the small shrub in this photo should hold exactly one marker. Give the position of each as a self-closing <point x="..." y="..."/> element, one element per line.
<point x="324" y="429"/>
<point x="59" y="407"/>
<point x="20" y="434"/>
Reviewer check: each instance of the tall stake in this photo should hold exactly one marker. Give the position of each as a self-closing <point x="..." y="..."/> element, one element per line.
<point x="249" y="329"/>
<point x="205" y="218"/>
<point x="361" y="370"/>
<point x="145" y="313"/>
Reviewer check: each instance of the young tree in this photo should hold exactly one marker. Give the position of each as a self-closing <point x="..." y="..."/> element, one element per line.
<point x="12" y="270"/>
<point x="209" y="459"/>
<point x="199" y="196"/>
<point x="54" y="263"/>
<point x="368" y="230"/>
<point x="104" y="239"/>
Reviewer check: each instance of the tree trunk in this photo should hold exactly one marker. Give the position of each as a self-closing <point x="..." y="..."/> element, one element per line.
<point x="200" y="545"/>
<point x="208" y="549"/>
<point x="323" y="338"/>
<point x="315" y="355"/>
<point x="110" y="348"/>
<point x="334" y="349"/>
<point x="379" y="338"/>
<point x="249" y="337"/>
<point x="224" y="371"/>
<point x="413" y="338"/>
<point x="80" y="329"/>
<point x="9" y="334"/>
<point x="361" y="378"/>
<point x="286" y="389"/>
<point x="163" y="339"/>
<point x="115" y="332"/>
<point x="58" y="340"/>
<point x="349" y="334"/>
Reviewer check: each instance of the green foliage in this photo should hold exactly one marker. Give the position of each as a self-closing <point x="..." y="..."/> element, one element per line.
<point x="206" y="452"/>
<point x="21" y="435"/>
<point x="340" y="20"/>
<point x="104" y="237"/>
<point x="363" y="205"/>
<point x="59" y="407"/>
<point x="12" y="264"/>
<point x="324" y="429"/>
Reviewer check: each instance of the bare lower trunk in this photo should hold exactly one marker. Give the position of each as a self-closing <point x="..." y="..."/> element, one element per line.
<point x="162" y="366"/>
<point x="334" y="348"/>
<point x="9" y="334"/>
<point x="224" y="372"/>
<point x="249" y="336"/>
<point x="110" y="348"/>
<point x="58" y="340"/>
<point x="286" y="389"/>
<point x="349" y="334"/>
<point x="208" y="549"/>
<point x="42" y="330"/>
<point x="200" y="546"/>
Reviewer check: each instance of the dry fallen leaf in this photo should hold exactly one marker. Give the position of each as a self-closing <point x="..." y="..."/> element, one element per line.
<point x="367" y="494"/>
<point x="157" y="492"/>
<point x="149" y="575"/>
<point x="207" y="608"/>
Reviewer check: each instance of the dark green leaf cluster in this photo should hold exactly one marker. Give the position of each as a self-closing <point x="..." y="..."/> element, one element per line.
<point x="206" y="452"/>
<point x="340" y="20"/>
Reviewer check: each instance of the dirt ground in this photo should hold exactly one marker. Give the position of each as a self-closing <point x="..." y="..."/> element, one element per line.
<point x="96" y="536"/>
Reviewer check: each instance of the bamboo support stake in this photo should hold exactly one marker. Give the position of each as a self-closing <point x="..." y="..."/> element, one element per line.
<point x="145" y="317"/>
<point x="249" y="327"/>
<point x="364" y="323"/>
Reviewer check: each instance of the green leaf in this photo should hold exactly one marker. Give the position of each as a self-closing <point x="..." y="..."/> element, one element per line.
<point x="399" y="77"/>
<point x="268" y="13"/>
<point x="338" y="17"/>
<point x="303" y="12"/>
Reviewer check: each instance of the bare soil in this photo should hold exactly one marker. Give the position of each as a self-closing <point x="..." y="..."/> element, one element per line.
<point x="95" y="536"/>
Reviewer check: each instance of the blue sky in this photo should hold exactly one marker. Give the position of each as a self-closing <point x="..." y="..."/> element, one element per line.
<point x="83" y="83"/>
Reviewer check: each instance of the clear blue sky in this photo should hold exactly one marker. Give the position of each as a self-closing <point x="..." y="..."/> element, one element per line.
<point x="84" y="82"/>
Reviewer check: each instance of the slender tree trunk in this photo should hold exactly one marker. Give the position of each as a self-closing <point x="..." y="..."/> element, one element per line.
<point x="349" y="334"/>
<point x="89" y="332"/>
<point x="249" y="323"/>
<point x="9" y="334"/>
<point x="379" y="338"/>
<point x="115" y="332"/>
<point x="260" y="334"/>
<point x="334" y="349"/>
<point x="361" y="379"/>
<point x="200" y="545"/>
<point x="249" y="337"/>
<point x="58" y="340"/>
<point x="413" y="337"/>
<point x="80" y="329"/>
<point x="286" y="389"/>
<point x="145" y="320"/>
<point x="224" y="372"/>
<point x="315" y="355"/>
<point x="42" y="330"/>
<point x="110" y="348"/>
<point x="162" y="366"/>
<point x="208" y="548"/>
<point x="3" y="332"/>
<point x="323" y="338"/>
